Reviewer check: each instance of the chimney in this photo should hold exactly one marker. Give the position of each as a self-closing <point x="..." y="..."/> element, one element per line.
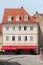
<point x="36" y="12"/>
<point x="22" y="7"/>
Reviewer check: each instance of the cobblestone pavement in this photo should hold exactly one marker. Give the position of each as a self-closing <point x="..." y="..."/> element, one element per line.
<point x="20" y="60"/>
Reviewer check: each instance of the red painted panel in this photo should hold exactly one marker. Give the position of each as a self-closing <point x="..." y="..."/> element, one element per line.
<point x="18" y="47"/>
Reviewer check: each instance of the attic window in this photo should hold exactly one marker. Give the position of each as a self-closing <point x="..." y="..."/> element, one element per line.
<point x="26" y="18"/>
<point x="17" y="18"/>
<point x="10" y="18"/>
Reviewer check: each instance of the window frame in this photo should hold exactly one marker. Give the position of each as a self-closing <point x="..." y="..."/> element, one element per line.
<point x="7" y="38"/>
<point x="13" y="27"/>
<point x="25" y="28"/>
<point x="19" y="38"/>
<point x="31" y="38"/>
<point x="13" y="38"/>
<point x="31" y="27"/>
<point x="7" y="28"/>
<point x="26" y="18"/>
<point x="10" y="18"/>
<point x="19" y="28"/>
<point x="17" y="18"/>
<point x="25" y="38"/>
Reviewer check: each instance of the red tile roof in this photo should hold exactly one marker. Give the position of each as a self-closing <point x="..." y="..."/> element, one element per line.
<point x="14" y="12"/>
<point x="0" y="28"/>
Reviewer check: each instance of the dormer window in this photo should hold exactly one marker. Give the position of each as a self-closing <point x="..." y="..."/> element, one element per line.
<point x="26" y="18"/>
<point x="17" y="18"/>
<point x="10" y="18"/>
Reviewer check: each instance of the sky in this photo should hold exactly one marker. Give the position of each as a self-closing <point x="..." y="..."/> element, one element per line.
<point x="31" y="6"/>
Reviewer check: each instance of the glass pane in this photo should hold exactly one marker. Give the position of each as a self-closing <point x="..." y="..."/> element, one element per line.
<point x="25" y="38"/>
<point x="13" y="38"/>
<point x="31" y="38"/>
<point x="17" y="18"/>
<point x="25" y="27"/>
<point x="13" y="28"/>
<point x="19" y="27"/>
<point x="26" y="17"/>
<point x="7" y="38"/>
<point x="19" y="38"/>
<point x="7" y="28"/>
<point x="31" y="27"/>
<point x="10" y="18"/>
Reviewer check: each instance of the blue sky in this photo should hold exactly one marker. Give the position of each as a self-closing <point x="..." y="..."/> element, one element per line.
<point x="30" y="5"/>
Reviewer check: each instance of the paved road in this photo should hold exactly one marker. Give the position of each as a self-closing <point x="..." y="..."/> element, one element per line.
<point x="20" y="60"/>
<point x="9" y="63"/>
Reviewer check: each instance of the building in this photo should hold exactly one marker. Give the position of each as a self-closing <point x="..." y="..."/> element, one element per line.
<point x="19" y="30"/>
<point x="0" y="36"/>
<point x="39" y="18"/>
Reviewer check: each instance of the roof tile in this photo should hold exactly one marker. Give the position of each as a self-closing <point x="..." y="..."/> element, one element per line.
<point x="14" y="12"/>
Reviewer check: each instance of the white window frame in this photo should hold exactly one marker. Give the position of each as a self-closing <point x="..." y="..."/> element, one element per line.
<point x="19" y="28"/>
<point x="25" y="28"/>
<point x="31" y="38"/>
<point x="25" y="38"/>
<point x="26" y="18"/>
<point x="9" y="18"/>
<point x="19" y="38"/>
<point x="13" y="37"/>
<point x="13" y="27"/>
<point x="7" y="28"/>
<point x="17" y="18"/>
<point x="31" y="27"/>
<point x="7" y="38"/>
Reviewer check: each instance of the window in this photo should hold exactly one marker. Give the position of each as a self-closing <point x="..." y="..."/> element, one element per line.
<point x="10" y="18"/>
<point x="31" y="38"/>
<point x="13" y="38"/>
<point x="7" y="27"/>
<point x="19" y="27"/>
<point x="26" y="18"/>
<point x="13" y="27"/>
<point x="31" y="27"/>
<point x="19" y="38"/>
<point x="17" y="18"/>
<point x="25" y="27"/>
<point x="25" y="38"/>
<point x="7" y="38"/>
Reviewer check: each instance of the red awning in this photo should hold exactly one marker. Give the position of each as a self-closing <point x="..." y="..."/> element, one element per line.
<point x="18" y="47"/>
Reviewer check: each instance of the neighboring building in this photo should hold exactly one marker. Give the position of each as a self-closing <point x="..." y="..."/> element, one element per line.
<point x="0" y="36"/>
<point x="39" y="18"/>
<point x="19" y="30"/>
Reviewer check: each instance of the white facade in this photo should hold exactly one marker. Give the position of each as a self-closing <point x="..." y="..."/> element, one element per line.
<point x="16" y="32"/>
